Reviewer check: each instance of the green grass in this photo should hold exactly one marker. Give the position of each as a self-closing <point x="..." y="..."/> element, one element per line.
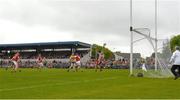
<point x="109" y="84"/>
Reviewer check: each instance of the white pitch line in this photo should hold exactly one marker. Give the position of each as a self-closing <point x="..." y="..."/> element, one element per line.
<point x="56" y="84"/>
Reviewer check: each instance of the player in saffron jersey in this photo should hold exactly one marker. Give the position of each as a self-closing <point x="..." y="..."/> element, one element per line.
<point x="73" y="62"/>
<point x="40" y="61"/>
<point x="15" y="60"/>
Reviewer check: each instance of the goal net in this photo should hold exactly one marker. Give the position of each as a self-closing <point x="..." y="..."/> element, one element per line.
<point x="144" y="46"/>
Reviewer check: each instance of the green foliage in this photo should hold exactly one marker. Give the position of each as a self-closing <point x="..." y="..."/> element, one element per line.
<point x="175" y="41"/>
<point x="97" y="48"/>
<point x="166" y="51"/>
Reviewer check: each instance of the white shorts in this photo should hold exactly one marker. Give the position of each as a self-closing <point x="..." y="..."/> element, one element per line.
<point x="41" y="64"/>
<point x="15" y="63"/>
<point x="73" y="63"/>
<point x="78" y="63"/>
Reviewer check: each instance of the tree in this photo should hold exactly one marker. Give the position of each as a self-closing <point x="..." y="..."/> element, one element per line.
<point x="166" y="51"/>
<point x="108" y="54"/>
<point x="175" y="41"/>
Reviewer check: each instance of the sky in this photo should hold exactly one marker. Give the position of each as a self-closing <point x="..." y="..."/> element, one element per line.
<point x="90" y="21"/>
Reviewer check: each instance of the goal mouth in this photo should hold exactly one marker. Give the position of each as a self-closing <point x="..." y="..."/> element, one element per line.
<point x="146" y="65"/>
<point x="146" y="35"/>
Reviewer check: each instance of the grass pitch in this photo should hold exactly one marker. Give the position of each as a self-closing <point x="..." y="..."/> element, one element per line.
<point x="109" y="84"/>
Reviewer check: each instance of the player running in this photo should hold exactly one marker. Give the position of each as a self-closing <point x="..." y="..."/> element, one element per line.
<point x="100" y="61"/>
<point x="15" y="60"/>
<point x="73" y="62"/>
<point x="78" y="62"/>
<point x="40" y="61"/>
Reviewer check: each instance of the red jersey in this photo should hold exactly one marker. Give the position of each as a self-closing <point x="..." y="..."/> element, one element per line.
<point x="39" y="59"/>
<point x="100" y="59"/>
<point x="15" y="57"/>
<point x="78" y="58"/>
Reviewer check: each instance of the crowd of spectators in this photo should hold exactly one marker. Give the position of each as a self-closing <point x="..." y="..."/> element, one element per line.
<point x="59" y="64"/>
<point x="120" y="64"/>
<point x="47" y="55"/>
<point x="33" y="63"/>
<point x="52" y="60"/>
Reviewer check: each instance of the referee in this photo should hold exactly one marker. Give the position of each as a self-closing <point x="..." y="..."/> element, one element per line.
<point x="175" y="60"/>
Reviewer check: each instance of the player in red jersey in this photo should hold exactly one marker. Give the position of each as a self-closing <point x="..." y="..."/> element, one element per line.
<point x="40" y="61"/>
<point x="78" y="62"/>
<point x="15" y="60"/>
<point x="100" y="61"/>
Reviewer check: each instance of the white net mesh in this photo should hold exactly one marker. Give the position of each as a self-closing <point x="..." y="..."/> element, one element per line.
<point x="146" y="64"/>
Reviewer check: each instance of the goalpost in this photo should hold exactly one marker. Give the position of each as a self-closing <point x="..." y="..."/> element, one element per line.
<point x="146" y="36"/>
<point x="152" y="41"/>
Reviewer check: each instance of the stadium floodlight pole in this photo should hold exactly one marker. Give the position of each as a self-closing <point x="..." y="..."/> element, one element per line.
<point x="131" y="42"/>
<point x="156" y="36"/>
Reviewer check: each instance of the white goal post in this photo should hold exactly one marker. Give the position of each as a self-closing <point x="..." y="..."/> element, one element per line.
<point x="148" y="37"/>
